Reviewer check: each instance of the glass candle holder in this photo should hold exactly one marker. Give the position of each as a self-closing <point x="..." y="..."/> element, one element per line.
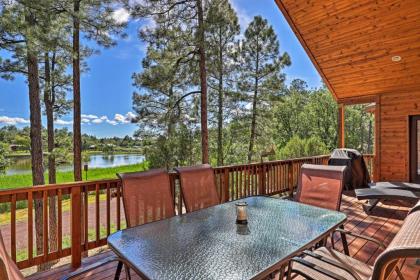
<point x="241" y="213"/>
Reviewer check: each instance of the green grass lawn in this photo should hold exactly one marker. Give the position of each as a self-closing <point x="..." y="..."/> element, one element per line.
<point x="25" y="180"/>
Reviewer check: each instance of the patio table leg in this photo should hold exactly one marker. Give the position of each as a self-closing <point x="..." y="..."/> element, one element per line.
<point x="118" y="272"/>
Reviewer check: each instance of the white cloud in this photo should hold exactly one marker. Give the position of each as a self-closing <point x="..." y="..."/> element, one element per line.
<point x="112" y="122"/>
<point x="12" y="121"/>
<point x="63" y="122"/>
<point x="243" y="17"/>
<point x="128" y="118"/>
<point x="121" y="15"/>
<point x="97" y="121"/>
<point x="119" y="118"/>
<point x="89" y="116"/>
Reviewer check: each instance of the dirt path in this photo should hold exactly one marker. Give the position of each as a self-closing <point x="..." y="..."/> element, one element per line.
<point x="22" y="226"/>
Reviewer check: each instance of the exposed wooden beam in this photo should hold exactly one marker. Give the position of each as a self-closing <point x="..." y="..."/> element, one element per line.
<point x="357" y="100"/>
<point x="305" y="46"/>
<point x="341" y="131"/>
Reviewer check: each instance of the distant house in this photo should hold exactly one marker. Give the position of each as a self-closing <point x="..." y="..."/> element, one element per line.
<point x="15" y="147"/>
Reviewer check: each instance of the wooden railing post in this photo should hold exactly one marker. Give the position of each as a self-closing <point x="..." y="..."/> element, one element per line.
<point x="225" y="185"/>
<point x="290" y="178"/>
<point x="261" y="187"/>
<point x="76" y="228"/>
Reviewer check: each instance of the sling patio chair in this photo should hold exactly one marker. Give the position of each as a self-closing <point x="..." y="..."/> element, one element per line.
<point x="322" y="186"/>
<point x="326" y="264"/>
<point x="415" y="208"/>
<point x="147" y="197"/>
<point x="388" y="191"/>
<point x="198" y="186"/>
<point x="8" y="268"/>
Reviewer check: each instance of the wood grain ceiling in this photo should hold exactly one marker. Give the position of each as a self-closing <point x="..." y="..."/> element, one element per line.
<point x="351" y="43"/>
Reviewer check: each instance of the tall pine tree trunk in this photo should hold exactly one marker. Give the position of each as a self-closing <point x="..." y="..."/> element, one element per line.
<point x="77" y="122"/>
<point x="77" y="138"/>
<point x="35" y="129"/>
<point x="254" y="111"/>
<point x="203" y="83"/>
<point x="49" y="110"/>
<point x="253" y="121"/>
<point x="220" y="106"/>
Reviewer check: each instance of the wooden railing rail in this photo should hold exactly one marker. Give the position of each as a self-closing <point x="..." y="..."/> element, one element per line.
<point x="84" y="226"/>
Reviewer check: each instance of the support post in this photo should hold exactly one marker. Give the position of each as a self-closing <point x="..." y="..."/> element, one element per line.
<point x="225" y="190"/>
<point x="76" y="228"/>
<point x="261" y="186"/>
<point x="377" y="170"/>
<point x="341" y="132"/>
<point x="290" y="178"/>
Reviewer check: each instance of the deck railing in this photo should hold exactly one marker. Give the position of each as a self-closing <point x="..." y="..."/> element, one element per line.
<point x="84" y="226"/>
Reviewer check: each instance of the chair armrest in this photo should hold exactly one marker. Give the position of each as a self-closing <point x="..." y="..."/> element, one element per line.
<point x="91" y="267"/>
<point x="328" y="261"/>
<point x="315" y="267"/>
<point x="367" y="238"/>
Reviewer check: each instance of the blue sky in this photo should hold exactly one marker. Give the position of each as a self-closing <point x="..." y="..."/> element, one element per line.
<point x="107" y="88"/>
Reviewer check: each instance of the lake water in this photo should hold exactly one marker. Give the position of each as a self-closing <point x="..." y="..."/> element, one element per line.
<point x="22" y="165"/>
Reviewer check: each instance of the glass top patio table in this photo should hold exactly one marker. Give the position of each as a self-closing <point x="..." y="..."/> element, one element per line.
<point x="208" y="244"/>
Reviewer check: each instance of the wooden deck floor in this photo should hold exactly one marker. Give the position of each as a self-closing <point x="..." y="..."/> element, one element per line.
<point x="383" y="223"/>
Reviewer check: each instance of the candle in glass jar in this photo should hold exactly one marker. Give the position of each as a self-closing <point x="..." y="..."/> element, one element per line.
<point x="241" y="214"/>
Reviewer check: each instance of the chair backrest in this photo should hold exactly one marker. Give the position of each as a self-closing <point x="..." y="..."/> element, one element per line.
<point x="406" y="244"/>
<point x="321" y="185"/>
<point x="8" y="269"/>
<point x="198" y="185"/>
<point x="147" y="196"/>
<point x="415" y="208"/>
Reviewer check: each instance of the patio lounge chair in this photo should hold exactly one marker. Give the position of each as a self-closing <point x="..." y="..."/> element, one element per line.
<point x="198" y="186"/>
<point x="324" y="263"/>
<point x="8" y="268"/>
<point x="388" y="190"/>
<point x="139" y="191"/>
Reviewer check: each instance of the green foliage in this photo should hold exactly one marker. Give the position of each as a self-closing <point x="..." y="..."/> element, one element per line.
<point x="359" y="128"/>
<point x="297" y="147"/>
<point x="3" y="159"/>
<point x="261" y="80"/>
<point x="221" y="32"/>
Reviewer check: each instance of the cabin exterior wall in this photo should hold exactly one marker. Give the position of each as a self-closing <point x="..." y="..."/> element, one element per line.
<point x="395" y="111"/>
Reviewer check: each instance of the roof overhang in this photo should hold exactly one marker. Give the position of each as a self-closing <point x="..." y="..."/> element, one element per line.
<point x="360" y="48"/>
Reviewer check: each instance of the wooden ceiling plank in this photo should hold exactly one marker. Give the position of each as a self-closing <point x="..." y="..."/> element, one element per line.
<point x="351" y="43"/>
<point x="303" y="43"/>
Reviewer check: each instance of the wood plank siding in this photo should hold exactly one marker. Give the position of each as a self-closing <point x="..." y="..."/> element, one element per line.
<point x="395" y="110"/>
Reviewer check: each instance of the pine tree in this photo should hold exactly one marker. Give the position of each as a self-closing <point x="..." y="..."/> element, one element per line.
<point x="190" y="16"/>
<point x="161" y="103"/>
<point x="21" y="34"/>
<point x="261" y="77"/>
<point x="221" y="32"/>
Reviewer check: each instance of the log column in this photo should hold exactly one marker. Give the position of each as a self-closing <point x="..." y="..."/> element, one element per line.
<point x="377" y="170"/>
<point x="341" y="131"/>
